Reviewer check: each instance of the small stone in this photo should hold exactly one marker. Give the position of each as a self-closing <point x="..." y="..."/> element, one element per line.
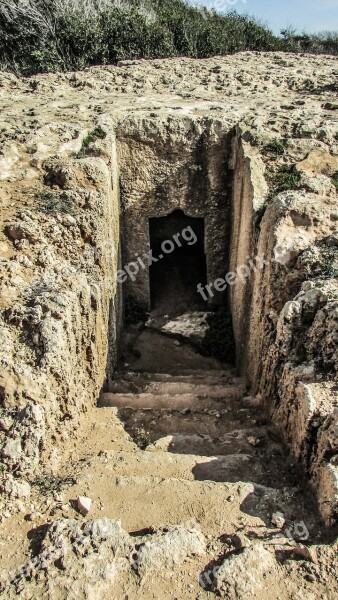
<point x="84" y="504"/>
<point x="252" y="401"/>
<point x="38" y="515"/>
<point x="12" y="449"/>
<point x="172" y="548"/>
<point x="6" y="423"/>
<point x="20" y="506"/>
<point x="243" y="576"/>
<point x="278" y="520"/>
<point x="29" y="517"/>
<point x="20" y="489"/>
<point x="4" y="247"/>
<point x="252" y="440"/>
<point x="36" y="339"/>
<point x="70" y="220"/>
<point x="24" y="260"/>
<point x="304" y="552"/>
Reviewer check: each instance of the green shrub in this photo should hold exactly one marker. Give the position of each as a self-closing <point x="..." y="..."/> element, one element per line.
<point x="52" y="202"/>
<point x="320" y="43"/>
<point x="41" y="35"/>
<point x="50" y="35"/>
<point x="48" y="484"/>
<point x="90" y="138"/>
<point x="286" y="179"/>
<point x="276" y="146"/>
<point x="328" y="267"/>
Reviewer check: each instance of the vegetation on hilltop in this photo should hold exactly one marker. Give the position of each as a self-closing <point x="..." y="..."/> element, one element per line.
<point x="50" y="35"/>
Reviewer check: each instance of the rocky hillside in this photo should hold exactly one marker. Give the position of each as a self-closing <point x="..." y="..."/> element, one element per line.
<point x="79" y="149"/>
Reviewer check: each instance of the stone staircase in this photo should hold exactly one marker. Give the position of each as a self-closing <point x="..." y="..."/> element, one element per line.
<point x="205" y="414"/>
<point x="188" y="449"/>
<point x="188" y="445"/>
<point x="195" y="433"/>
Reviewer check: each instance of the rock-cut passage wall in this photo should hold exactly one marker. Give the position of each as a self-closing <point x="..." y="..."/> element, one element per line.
<point x="285" y="315"/>
<point x="61" y="309"/>
<point x="278" y="316"/>
<point x="168" y="164"/>
<point x="60" y="305"/>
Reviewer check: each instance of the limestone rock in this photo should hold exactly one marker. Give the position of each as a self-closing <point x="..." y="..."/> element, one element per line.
<point x="169" y="549"/>
<point x="84" y="504"/>
<point x="278" y="520"/>
<point x="12" y="450"/>
<point x="190" y="326"/>
<point x="244" y="575"/>
<point x="15" y="488"/>
<point x="90" y="556"/>
<point x="319" y="162"/>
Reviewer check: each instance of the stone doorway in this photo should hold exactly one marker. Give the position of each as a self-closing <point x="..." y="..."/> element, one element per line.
<point x="177" y="242"/>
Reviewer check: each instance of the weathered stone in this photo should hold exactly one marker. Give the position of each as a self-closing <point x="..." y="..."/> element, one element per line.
<point x="172" y="548"/>
<point x="278" y="520"/>
<point x="12" y="449"/>
<point x="14" y="488"/>
<point x="245" y="575"/>
<point x="319" y="162"/>
<point x="84" y="504"/>
<point x="190" y="326"/>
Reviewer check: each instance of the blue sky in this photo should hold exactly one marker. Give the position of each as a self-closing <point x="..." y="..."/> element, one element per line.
<point x="308" y="15"/>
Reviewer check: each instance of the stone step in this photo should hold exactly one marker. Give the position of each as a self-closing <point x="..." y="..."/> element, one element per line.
<point x="178" y="388"/>
<point x="176" y="402"/>
<point x="159" y="486"/>
<point x="138" y="381"/>
<point x="235" y="442"/>
<point x="148" y="501"/>
<point x="142" y="502"/>
<point x="156" y="463"/>
<point x="212" y="374"/>
<point x="230" y="467"/>
<point x="211" y="431"/>
<point x="159" y="461"/>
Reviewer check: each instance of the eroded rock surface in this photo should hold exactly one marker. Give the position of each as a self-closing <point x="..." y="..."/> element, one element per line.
<point x="249" y="143"/>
